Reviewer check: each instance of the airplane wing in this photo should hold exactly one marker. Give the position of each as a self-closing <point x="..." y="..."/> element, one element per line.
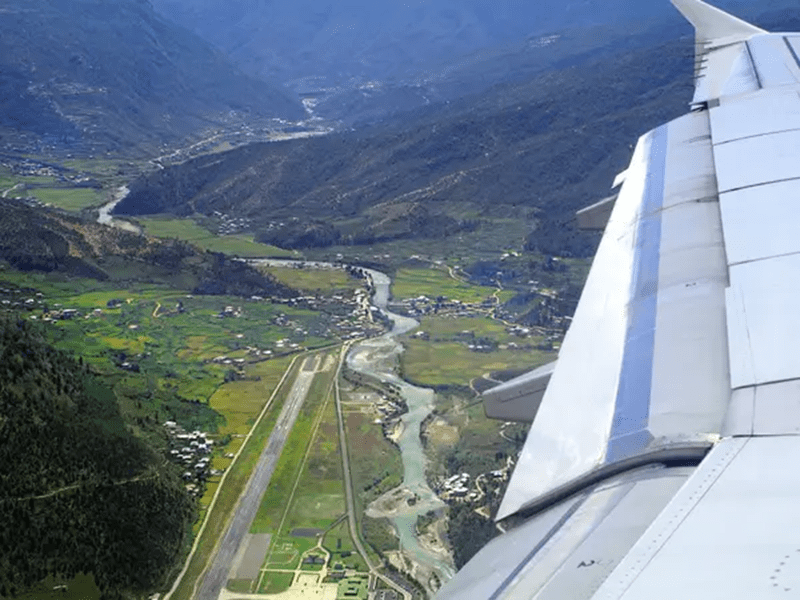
<point x="662" y="459"/>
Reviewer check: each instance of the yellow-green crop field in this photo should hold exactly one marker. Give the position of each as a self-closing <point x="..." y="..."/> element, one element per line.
<point x="314" y="280"/>
<point x="71" y="199"/>
<point x="450" y="328"/>
<point x="188" y="230"/>
<point x="433" y="282"/>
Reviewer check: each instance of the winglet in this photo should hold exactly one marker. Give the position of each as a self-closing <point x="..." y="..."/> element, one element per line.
<point x="714" y="26"/>
<point x="716" y="31"/>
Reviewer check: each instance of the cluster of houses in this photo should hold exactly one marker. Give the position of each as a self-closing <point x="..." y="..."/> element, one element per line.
<point x="347" y="317"/>
<point x="31" y="168"/>
<point x="229" y="312"/>
<point x="390" y="412"/>
<point x="19" y="299"/>
<point x="442" y="305"/>
<point x="57" y="313"/>
<point x="192" y="450"/>
<point x="229" y="224"/>
<point x="457" y="488"/>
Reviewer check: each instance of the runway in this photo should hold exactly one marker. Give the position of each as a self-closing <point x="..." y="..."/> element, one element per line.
<point x="218" y="573"/>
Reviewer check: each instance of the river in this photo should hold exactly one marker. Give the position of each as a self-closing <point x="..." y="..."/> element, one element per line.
<point x="104" y="215"/>
<point x="378" y="358"/>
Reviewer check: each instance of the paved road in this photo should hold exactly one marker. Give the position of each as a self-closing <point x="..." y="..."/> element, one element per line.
<point x="217" y="574"/>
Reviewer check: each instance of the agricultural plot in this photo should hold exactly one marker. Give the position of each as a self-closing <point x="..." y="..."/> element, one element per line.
<point x="188" y="230"/>
<point x="446" y="329"/>
<point x="324" y="281"/>
<point x="453" y="364"/>
<point x="70" y="199"/>
<point x="241" y="401"/>
<point x="435" y="282"/>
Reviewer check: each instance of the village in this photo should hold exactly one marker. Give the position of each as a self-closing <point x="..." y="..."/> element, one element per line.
<point x="461" y="487"/>
<point x="192" y="451"/>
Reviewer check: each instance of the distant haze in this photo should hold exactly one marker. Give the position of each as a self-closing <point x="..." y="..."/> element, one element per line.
<point x="286" y="40"/>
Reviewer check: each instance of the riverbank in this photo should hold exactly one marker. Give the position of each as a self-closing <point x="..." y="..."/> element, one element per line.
<point x="104" y="214"/>
<point x="379" y="358"/>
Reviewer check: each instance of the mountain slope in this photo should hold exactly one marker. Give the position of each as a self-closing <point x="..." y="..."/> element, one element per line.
<point x="532" y="151"/>
<point x="109" y="75"/>
<point x="34" y="239"/>
<point x="78" y="492"/>
<point x="393" y="39"/>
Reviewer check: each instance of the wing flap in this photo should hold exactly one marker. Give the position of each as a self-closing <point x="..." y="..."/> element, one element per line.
<point x="637" y="374"/>
<point x="730" y="532"/>
<point x="519" y="398"/>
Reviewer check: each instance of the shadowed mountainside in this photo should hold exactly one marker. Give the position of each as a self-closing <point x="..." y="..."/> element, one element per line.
<point x="113" y="75"/>
<point x="37" y="240"/>
<point x="536" y="150"/>
<point x="359" y="61"/>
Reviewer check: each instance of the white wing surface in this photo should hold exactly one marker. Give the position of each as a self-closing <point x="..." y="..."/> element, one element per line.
<point x="660" y="462"/>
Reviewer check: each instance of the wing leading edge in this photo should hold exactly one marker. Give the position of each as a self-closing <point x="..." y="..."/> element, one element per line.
<point x="646" y="472"/>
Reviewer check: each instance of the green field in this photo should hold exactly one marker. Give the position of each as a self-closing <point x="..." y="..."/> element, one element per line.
<point x="453" y="364"/>
<point x="319" y="497"/>
<point x="340" y="545"/>
<point x="188" y="230"/>
<point x="241" y="401"/>
<point x="291" y="465"/>
<point x="326" y="281"/>
<point x="71" y="199"/>
<point x="241" y="586"/>
<point x="435" y="282"/>
<point x="376" y="467"/>
<point x="80" y="587"/>
<point x="461" y="328"/>
<point x="275" y="583"/>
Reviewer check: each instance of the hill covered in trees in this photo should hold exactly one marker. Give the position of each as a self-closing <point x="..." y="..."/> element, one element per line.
<point x="34" y="239"/>
<point x="116" y="76"/>
<point x="78" y="492"/>
<point x="535" y="151"/>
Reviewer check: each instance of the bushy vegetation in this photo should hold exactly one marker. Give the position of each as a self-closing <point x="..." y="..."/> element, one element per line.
<point x="78" y="492"/>
<point x="37" y="240"/>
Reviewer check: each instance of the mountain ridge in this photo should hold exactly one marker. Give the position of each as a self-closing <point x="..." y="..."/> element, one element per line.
<point x="103" y="76"/>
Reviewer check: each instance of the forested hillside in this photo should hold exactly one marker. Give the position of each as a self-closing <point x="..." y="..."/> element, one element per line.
<point x="115" y="76"/>
<point x="535" y="151"/>
<point x="78" y="492"/>
<point x="34" y="239"/>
